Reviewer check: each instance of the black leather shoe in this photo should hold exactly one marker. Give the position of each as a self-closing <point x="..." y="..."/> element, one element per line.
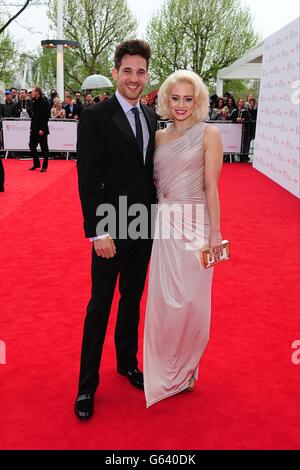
<point x="33" y="168"/>
<point x="84" y="406"/>
<point x="134" y="376"/>
<point x="43" y="170"/>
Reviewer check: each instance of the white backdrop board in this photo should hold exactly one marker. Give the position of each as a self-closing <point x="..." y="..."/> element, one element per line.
<point x="62" y="137"/>
<point x="231" y="134"/>
<point x="276" y="150"/>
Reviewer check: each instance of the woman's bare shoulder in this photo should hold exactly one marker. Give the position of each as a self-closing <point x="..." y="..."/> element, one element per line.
<point x="212" y="131"/>
<point x="160" y="136"/>
<point x="212" y="134"/>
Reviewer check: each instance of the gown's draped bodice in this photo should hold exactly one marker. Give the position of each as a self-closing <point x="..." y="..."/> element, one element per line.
<point x="179" y="167"/>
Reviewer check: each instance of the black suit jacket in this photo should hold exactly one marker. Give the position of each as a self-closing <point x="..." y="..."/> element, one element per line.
<point x="243" y="114"/>
<point x="109" y="161"/>
<point x="74" y="112"/>
<point x="27" y="104"/>
<point x="40" y="115"/>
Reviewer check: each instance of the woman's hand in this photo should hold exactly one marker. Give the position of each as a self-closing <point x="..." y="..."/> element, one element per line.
<point x="215" y="245"/>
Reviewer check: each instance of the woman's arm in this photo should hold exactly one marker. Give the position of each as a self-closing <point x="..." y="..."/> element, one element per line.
<point x="213" y="163"/>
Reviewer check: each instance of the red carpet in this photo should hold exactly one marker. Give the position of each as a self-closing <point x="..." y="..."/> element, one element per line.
<point x="248" y="393"/>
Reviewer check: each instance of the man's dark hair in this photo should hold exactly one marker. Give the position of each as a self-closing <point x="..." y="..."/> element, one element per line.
<point x="132" y="47"/>
<point x="23" y="89"/>
<point x="38" y="88"/>
<point x="78" y="92"/>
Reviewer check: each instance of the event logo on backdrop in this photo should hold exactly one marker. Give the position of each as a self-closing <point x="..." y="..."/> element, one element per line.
<point x="277" y="142"/>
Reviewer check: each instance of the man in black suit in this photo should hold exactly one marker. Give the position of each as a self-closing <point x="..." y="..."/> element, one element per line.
<point x="71" y="108"/>
<point x="39" y="129"/>
<point x="115" y="159"/>
<point x="78" y="102"/>
<point x="242" y="116"/>
<point x="23" y="105"/>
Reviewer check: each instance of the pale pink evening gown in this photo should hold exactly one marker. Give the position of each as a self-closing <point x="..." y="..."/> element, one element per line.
<point x="178" y="310"/>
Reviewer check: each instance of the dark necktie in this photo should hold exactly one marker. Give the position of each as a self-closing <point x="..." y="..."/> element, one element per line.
<point x="139" y="130"/>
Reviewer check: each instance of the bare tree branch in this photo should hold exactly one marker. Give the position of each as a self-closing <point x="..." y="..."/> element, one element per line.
<point x="12" y="18"/>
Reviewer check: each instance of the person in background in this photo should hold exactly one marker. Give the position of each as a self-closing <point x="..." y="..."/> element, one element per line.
<point x="39" y="129"/>
<point x="88" y="100"/>
<point x="24" y="105"/>
<point x="57" y="111"/>
<point x="71" y="108"/>
<point x="223" y="115"/>
<point x="230" y="104"/>
<point x="143" y="100"/>
<point x="14" y="94"/>
<point x="247" y="103"/>
<point x="8" y="108"/>
<point x="78" y="102"/>
<point x="213" y="103"/>
<point x="252" y="110"/>
<point x="66" y="94"/>
<point x="242" y="116"/>
<point x="97" y="99"/>
<point x="217" y="112"/>
<point x="105" y="96"/>
<point x="53" y="95"/>
<point x="152" y="103"/>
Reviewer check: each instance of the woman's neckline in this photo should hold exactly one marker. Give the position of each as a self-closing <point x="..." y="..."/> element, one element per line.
<point x="180" y="137"/>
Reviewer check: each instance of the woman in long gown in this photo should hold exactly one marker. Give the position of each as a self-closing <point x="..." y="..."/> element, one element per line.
<point x="187" y="164"/>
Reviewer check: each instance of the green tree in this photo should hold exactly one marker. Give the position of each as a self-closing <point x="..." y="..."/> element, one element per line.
<point x="7" y="58"/>
<point x="242" y="88"/>
<point x="200" y="35"/>
<point x="97" y="25"/>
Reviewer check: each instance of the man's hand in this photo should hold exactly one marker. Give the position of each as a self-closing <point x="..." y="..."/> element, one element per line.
<point x="41" y="132"/>
<point x="105" y="247"/>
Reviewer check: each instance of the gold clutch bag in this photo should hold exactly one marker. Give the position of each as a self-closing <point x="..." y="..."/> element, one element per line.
<point x="204" y="256"/>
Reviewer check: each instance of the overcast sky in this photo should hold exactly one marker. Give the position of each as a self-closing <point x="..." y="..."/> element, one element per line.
<point x="269" y="16"/>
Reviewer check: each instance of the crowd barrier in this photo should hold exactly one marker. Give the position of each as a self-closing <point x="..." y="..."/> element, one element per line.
<point x="62" y="138"/>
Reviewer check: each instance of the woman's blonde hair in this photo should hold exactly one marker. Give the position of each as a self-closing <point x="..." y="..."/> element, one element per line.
<point x="201" y="94"/>
<point x="57" y="101"/>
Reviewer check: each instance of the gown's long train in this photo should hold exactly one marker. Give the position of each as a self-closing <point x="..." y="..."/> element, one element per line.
<point x="178" y="310"/>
